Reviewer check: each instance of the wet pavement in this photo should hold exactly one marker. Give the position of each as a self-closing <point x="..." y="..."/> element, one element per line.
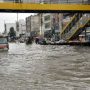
<point x="35" y="67"/>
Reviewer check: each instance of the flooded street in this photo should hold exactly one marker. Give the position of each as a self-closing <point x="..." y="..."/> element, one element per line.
<point x="35" y="67"/>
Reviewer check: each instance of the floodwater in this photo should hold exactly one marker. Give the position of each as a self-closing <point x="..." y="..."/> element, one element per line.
<point x="35" y="67"/>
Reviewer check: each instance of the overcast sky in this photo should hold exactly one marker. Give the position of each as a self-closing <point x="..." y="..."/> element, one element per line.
<point x="11" y="18"/>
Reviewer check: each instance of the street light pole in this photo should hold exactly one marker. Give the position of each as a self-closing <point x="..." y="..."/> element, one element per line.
<point x="5" y="30"/>
<point x="18" y="1"/>
<point x="41" y="24"/>
<point x="17" y="23"/>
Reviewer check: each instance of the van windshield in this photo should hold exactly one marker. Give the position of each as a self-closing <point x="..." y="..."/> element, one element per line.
<point x="3" y="40"/>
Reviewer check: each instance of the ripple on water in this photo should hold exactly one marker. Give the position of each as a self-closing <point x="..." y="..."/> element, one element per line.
<point x="45" y="67"/>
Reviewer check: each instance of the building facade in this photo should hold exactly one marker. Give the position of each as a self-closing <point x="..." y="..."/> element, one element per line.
<point x="8" y="26"/>
<point x="46" y="21"/>
<point x="28" y="26"/>
<point x="46" y="25"/>
<point x="22" y="27"/>
<point x="33" y="25"/>
<point x="50" y="25"/>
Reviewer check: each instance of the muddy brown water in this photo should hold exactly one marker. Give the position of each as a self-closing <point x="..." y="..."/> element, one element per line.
<point x="35" y="67"/>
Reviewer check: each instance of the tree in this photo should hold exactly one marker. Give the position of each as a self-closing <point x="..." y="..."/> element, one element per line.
<point x="12" y="33"/>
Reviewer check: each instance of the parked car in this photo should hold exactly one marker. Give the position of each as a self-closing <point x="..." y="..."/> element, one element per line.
<point x="61" y="41"/>
<point x="42" y="41"/>
<point x="4" y="42"/>
<point x="21" y="40"/>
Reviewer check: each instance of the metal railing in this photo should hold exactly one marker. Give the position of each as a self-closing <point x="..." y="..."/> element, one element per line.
<point x="73" y="21"/>
<point x="80" y="25"/>
<point x="50" y="1"/>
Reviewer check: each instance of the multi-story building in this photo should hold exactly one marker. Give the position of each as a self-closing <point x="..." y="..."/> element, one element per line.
<point x="46" y="24"/>
<point x="33" y="25"/>
<point x="8" y="26"/>
<point x="55" y="22"/>
<point x="85" y="35"/>
<point x="28" y="26"/>
<point x="22" y="27"/>
<point x="50" y="24"/>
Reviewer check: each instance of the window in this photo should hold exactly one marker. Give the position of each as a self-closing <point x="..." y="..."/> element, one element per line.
<point x="47" y="18"/>
<point x="47" y="25"/>
<point x="3" y="40"/>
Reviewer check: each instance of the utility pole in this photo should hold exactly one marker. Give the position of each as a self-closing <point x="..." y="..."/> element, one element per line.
<point x="5" y="30"/>
<point x="41" y="23"/>
<point x="17" y="24"/>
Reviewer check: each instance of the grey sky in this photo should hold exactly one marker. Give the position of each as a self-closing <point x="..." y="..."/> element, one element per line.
<point x="11" y="18"/>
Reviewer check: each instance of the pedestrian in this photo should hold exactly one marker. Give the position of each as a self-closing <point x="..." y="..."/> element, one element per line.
<point x="36" y="40"/>
<point x="29" y="40"/>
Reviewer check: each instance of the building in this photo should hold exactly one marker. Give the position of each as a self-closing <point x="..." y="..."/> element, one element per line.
<point x="50" y="25"/>
<point x="28" y="26"/>
<point x="43" y="24"/>
<point x="55" y="22"/>
<point x="22" y="27"/>
<point x="33" y="25"/>
<point x="46" y="25"/>
<point x="8" y="26"/>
